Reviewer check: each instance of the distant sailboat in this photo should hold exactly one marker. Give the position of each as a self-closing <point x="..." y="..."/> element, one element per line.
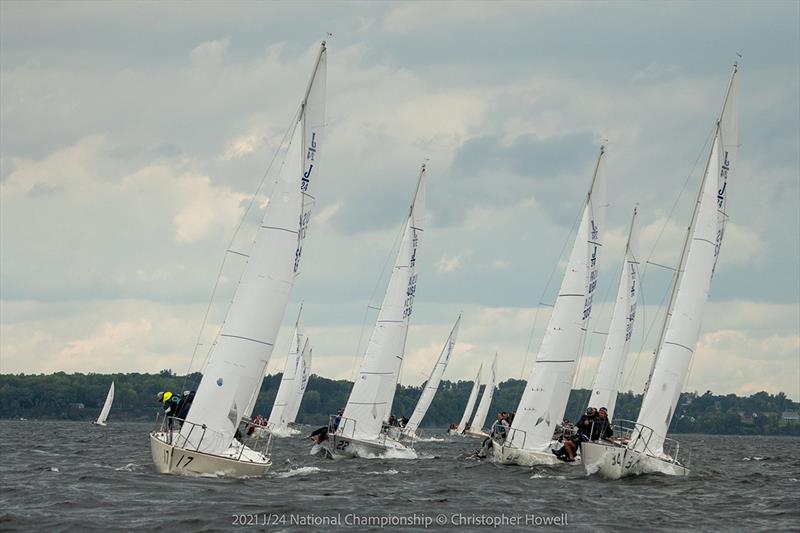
<point x="547" y="390"/>
<point x="432" y="385"/>
<point x="360" y="431"/>
<point x="101" y="419"/>
<point x="206" y="441"/>
<point x="608" y="378"/>
<point x="646" y="449"/>
<point x="473" y="397"/>
<point x="476" y="427"/>
<point x="293" y="384"/>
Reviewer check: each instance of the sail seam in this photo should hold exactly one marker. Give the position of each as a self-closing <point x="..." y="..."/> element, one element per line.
<point x="245" y="338"/>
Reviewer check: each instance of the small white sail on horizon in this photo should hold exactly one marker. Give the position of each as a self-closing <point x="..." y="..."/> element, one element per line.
<point x="476" y="426"/>
<point x="473" y="396"/>
<point x="101" y="419"/>
<point x="544" y="399"/>
<point x="610" y="370"/>
<point x="432" y="384"/>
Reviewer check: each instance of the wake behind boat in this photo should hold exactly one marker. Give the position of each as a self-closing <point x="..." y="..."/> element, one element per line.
<point x="361" y="430"/>
<point x="644" y="447"/>
<point x="208" y="440"/>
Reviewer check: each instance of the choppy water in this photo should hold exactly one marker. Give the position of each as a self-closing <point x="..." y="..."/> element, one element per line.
<point x="66" y="476"/>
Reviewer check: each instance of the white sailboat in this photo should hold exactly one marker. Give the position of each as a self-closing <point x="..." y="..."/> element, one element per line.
<point x="476" y="427"/>
<point x="101" y="419"/>
<point x="432" y="385"/>
<point x="205" y="442"/>
<point x="360" y="431"/>
<point x="293" y="384"/>
<point x="473" y="397"/>
<point x="608" y="378"/>
<point x="546" y="393"/>
<point x="645" y="448"/>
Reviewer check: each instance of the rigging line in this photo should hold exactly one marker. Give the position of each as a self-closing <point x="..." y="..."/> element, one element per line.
<point x="289" y="131"/>
<point x="573" y="228"/>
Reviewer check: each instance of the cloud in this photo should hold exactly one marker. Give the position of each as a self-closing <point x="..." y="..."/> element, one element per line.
<point x="449" y="264"/>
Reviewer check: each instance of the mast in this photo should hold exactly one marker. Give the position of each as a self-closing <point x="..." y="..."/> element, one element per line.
<point x="690" y="293"/>
<point x="372" y="395"/>
<point x="473" y="395"/>
<point x="547" y="390"/>
<point x="612" y="363"/>
<point x="687" y="239"/>
<point x="432" y="385"/>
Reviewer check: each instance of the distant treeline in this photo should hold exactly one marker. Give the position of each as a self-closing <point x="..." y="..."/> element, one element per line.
<point x="79" y="397"/>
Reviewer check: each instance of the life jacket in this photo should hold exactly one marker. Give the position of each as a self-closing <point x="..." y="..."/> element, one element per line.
<point x="167" y="396"/>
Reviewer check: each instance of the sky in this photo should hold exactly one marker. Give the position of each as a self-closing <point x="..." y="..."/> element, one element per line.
<point x="134" y="134"/>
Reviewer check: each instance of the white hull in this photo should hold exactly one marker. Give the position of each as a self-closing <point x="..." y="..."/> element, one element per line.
<point x="615" y="462"/>
<point x="170" y="459"/>
<point x="96" y="423"/>
<point x="476" y="434"/>
<point x="342" y="447"/>
<point x="515" y="456"/>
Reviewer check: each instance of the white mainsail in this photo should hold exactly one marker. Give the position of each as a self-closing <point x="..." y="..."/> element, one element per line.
<point x="473" y="396"/>
<point x="692" y="283"/>
<point x="486" y="400"/>
<point x="301" y="382"/>
<point x="240" y="355"/>
<point x="608" y="378"/>
<point x="287" y="388"/>
<point x="370" y="401"/>
<point x="546" y="393"/>
<point x="432" y="385"/>
<point x="101" y="419"/>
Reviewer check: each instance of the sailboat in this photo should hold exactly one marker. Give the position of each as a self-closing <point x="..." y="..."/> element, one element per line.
<point x="293" y="384"/>
<point x="205" y="442"/>
<point x="476" y="427"/>
<point x="473" y="397"/>
<point x="547" y="390"/>
<point x="608" y="378"/>
<point x="645" y="448"/>
<point x="360" y="431"/>
<point x="432" y="385"/>
<point x="101" y="419"/>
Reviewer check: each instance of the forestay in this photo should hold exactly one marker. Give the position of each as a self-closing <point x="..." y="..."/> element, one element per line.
<point x="432" y="385"/>
<point x="473" y="395"/>
<point x="693" y="282"/>
<point x="612" y="363"/>
<point x="546" y="392"/>
<point x="240" y="355"/>
<point x="371" y="398"/>
<point x="486" y="400"/>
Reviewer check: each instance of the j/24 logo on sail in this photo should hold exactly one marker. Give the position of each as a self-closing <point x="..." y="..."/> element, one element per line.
<point x="723" y="173"/>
